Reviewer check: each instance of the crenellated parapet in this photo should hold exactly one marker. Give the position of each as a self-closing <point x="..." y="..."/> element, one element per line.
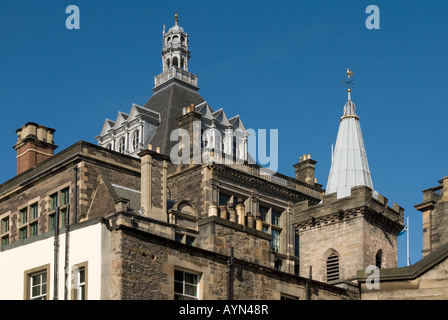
<point x="363" y="201"/>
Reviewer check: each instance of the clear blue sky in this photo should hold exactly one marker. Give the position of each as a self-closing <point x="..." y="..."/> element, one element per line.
<point x="278" y="64"/>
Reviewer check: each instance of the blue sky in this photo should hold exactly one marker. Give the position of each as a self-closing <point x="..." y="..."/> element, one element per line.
<point x="278" y="64"/>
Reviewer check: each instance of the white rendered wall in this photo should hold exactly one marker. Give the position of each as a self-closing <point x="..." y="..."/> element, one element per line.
<point x="88" y="244"/>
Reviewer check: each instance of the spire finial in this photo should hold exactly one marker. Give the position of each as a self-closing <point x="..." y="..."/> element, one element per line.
<point x="349" y="82"/>
<point x="176" y="17"/>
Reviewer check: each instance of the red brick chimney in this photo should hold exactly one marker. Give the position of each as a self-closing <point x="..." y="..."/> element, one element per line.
<point x="34" y="145"/>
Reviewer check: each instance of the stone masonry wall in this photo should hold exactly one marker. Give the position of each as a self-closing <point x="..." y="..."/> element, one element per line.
<point x="379" y="238"/>
<point x="344" y="238"/>
<point x="189" y="185"/>
<point x="143" y="268"/>
<point x="36" y="193"/>
<point x="439" y="225"/>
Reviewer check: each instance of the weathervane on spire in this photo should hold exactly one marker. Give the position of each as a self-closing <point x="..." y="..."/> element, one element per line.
<point x="349" y="82"/>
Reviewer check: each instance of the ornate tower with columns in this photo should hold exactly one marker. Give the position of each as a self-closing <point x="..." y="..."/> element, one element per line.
<point x="175" y="56"/>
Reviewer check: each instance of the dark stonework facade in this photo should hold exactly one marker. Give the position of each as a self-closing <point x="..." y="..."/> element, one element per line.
<point x="144" y="266"/>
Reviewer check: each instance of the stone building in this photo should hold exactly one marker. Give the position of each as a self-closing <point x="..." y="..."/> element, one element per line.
<point x="122" y="220"/>
<point x="428" y="278"/>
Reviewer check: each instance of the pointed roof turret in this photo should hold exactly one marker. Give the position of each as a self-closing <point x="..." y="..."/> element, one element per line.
<point x="349" y="166"/>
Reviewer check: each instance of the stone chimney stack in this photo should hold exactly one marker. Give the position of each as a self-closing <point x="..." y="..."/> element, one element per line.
<point x="191" y="149"/>
<point x="34" y="145"/>
<point x="154" y="184"/>
<point x="305" y="169"/>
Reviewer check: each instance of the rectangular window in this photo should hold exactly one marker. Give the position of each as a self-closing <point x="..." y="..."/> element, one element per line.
<point x="23" y="233"/>
<point x="276" y="218"/>
<point x="38" y="286"/>
<point x="265" y="229"/>
<point x="63" y="215"/>
<point x="64" y="197"/>
<point x="224" y="199"/>
<point x="264" y="213"/>
<point x="185" y="285"/>
<point x="24" y="216"/>
<point x="52" y="218"/>
<point x="275" y="245"/>
<point x="5" y="225"/>
<point x="288" y="297"/>
<point x="34" y="211"/>
<point x="33" y="229"/>
<point x="53" y="202"/>
<point x="5" y="240"/>
<point x="296" y="245"/>
<point x="81" y="284"/>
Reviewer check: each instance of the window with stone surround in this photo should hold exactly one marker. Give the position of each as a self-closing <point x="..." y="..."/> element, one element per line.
<point x="4" y="229"/>
<point x="80" y="281"/>
<point x="186" y="285"/>
<point x="61" y="200"/>
<point x="36" y="283"/>
<point x="296" y="245"/>
<point x="287" y="297"/>
<point x="53" y="202"/>
<point x="275" y="244"/>
<point x="272" y="224"/>
<point x="224" y="199"/>
<point x="28" y="221"/>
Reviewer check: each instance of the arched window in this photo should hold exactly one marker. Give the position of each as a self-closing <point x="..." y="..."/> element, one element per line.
<point x="168" y="62"/>
<point x="135" y="140"/>
<point x="109" y="146"/>
<point x="121" y="145"/>
<point x="379" y="258"/>
<point x="175" y="62"/>
<point x="175" y="39"/>
<point x="332" y="267"/>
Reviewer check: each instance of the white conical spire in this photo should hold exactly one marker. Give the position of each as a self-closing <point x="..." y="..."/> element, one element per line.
<point x="349" y="167"/>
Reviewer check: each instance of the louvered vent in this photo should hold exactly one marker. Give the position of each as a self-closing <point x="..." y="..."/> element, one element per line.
<point x="333" y="267"/>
